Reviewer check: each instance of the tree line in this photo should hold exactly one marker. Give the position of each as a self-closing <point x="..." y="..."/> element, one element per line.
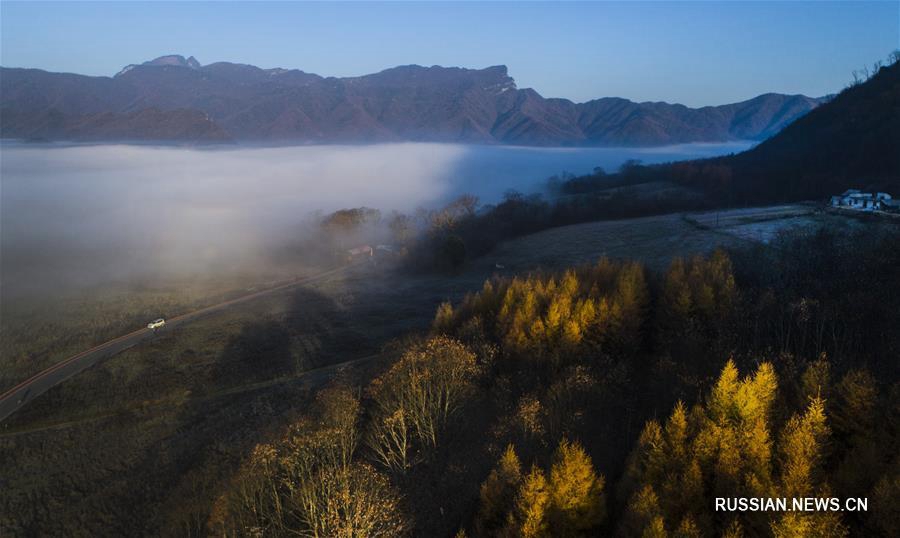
<point x="611" y="400"/>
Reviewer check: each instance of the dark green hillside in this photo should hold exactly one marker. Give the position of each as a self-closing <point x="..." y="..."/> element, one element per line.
<point x="851" y="141"/>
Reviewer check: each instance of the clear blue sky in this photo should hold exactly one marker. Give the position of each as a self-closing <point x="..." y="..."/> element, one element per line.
<point x="696" y="53"/>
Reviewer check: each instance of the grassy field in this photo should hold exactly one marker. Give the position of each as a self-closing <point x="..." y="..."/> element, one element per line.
<point x="37" y="331"/>
<point x="655" y="240"/>
<point x="146" y="439"/>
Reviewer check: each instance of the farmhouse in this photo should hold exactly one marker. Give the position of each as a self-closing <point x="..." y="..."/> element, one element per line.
<point x="359" y="252"/>
<point x="865" y="201"/>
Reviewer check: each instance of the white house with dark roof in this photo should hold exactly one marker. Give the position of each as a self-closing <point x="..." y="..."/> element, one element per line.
<point x="865" y="201"/>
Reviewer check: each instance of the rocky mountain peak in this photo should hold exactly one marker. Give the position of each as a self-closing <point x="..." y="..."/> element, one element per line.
<point x="176" y="60"/>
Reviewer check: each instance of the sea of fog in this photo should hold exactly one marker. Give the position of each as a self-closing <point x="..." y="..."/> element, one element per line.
<point x="113" y="211"/>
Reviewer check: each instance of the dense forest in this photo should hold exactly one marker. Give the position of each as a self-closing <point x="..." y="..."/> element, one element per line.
<point x="608" y="399"/>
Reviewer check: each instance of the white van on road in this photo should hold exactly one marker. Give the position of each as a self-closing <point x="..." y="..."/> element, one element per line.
<point x="156" y="324"/>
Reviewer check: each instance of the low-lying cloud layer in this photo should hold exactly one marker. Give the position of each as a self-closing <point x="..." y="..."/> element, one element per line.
<point x="115" y="210"/>
<point x="91" y="214"/>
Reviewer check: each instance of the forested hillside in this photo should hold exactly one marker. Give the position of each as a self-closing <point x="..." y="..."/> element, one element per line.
<point x="612" y="400"/>
<point x="852" y="141"/>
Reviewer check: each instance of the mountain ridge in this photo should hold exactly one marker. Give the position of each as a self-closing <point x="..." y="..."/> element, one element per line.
<point x="171" y="59"/>
<point x="403" y="103"/>
<point x="851" y="141"/>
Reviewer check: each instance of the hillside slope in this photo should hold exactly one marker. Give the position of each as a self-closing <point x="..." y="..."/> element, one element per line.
<point x="149" y="124"/>
<point x="852" y="141"/>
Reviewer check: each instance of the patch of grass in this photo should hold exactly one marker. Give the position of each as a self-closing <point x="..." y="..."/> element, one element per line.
<point x="653" y="240"/>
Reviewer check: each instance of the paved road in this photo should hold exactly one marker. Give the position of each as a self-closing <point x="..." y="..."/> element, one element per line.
<point x="26" y="391"/>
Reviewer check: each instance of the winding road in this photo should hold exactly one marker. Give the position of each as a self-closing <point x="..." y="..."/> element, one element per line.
<point x="26" y="391"/>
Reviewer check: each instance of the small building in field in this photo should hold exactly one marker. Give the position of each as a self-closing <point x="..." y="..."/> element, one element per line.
<point x="864" y="201"/>
<point x="364" y="251"/>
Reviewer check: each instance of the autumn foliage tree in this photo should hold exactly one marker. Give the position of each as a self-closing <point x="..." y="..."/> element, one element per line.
<point x="552" y="319"/>
<point x="497" y="493"/>
<point x="307" y="482"/>
<point x="727" y="448"/>
<point x="417" y="398"/>
<point x="576" y="492"/>
<point x="803" y="448"/>
<point x="696" y="311"/>
<point x="567" y="501"/>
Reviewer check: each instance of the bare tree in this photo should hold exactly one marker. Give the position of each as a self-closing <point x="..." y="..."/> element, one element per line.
<point x="449" y="216"/>
<point x="418" y="397"/>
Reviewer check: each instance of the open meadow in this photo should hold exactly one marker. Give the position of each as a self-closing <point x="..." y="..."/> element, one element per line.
<point x="656" y="240"/>
<point x="38" y="330"/>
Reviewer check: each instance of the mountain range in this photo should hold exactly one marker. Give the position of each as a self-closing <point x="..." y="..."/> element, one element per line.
<point x="173" y="98"/>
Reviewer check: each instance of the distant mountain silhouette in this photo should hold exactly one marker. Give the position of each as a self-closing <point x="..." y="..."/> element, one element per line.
<point x="173" y="59"/>
<point x="407" y="103"/>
